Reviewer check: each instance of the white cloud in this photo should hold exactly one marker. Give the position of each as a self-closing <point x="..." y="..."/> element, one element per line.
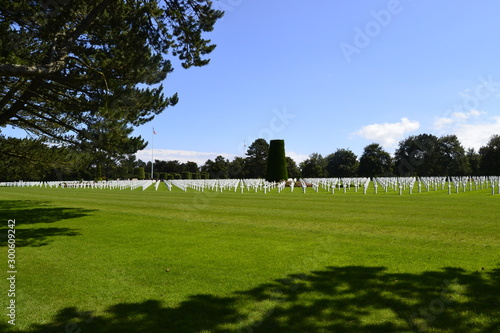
<point x="388" y="134"/>
<point x="474" y="128"/>
<point x="456" y="118"/>
<point x="181" y="155"/>
<point x="442" y="122"/>
<point x="476" y="135"/>
<point x="184" y="156"/>
<point x="297" y="157"/>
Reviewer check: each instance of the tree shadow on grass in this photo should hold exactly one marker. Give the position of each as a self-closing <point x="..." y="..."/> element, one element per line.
<point x="27" y="213"/>
<point x="31" y="212"/>
<point x="337" y="299"/>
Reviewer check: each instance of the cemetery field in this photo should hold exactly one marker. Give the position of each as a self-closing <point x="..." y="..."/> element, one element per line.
<point x="100" y="261"/>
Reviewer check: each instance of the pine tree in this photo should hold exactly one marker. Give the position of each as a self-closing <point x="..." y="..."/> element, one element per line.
<point x="68" y="66"/>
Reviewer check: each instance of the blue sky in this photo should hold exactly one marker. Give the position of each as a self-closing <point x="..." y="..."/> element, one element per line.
<point x="336" y="74"/>
<point x="329" y="74"/>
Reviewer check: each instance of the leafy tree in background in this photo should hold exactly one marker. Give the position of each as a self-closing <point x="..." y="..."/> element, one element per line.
<point x="314" y="166"/>
<point x="256" y="161"/>
<point x="474" y="162"/>
<point x="452" y="158"/>
<point x="217" y="169"/>
<point x="427" y="155"/>
<point x="342" y="163"/>
<point x="490" y="157"/>
<point x="125" y="167"/>
<point x="31" y="159"/>
<point x="293" y="169"/>
<point x="73" y="70"/>
<point x="374" y="162"/>
<point x="139" y="173"/>
<point x="417" y="156"/>
<point x="172" y="167"/>
<point x="236" y="168"/>
<point x="190" y="166"/>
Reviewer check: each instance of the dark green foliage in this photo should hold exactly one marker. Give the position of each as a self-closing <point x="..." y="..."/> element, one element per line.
<point x="375" y="162"/>
<point x="276" y="169"/>
<point x="205" y="175"/>
<point x="85" y="72"/>
<point x="474" y="162"/>
<point x="236" y="168"/>
<point x="292" y="168"/>
<point x="452" y="157"/>
<point x="139" y="173"/>
<point x="186" y="175"/>
<point x="427" y="155"/>
<point x="343" y="163"/>
<point x="314" y="166"/>
<point x="417" y="156"/>
<point x="190" y="166"/>
<point x="490" y="157"/>
<point x="174" y="166"/>
<point x="217" y="169"/>
<point x="256" y="161"/>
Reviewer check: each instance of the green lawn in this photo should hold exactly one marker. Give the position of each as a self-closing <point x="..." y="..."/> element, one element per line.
<point x="143" y="261"/>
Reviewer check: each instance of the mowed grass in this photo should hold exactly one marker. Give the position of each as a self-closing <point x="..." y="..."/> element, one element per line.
<point x="145" y="261"/>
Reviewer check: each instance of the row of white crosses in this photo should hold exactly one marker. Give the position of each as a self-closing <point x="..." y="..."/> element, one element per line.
<point x="475" y="182"/>
<point x="330" y="184"/>
<point x="21" y="184"/>
<point x="400" y="184"/>
<point x="434" y="183"/>
<point x="495" y="181"/>
<point x="221" y="185"/>
<point x="114" y="184"/>
<point x="217" y="185"/>
<point x="324" y="183"/>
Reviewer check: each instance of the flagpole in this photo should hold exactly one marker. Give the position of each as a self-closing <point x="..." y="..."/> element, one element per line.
<point x="152" y="151"/>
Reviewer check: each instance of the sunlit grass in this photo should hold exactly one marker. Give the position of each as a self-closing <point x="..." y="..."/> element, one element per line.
<point x="147" y="261"/>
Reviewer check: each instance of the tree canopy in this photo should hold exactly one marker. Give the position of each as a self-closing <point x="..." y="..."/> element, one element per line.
<point x="256" y="161"/>
<point x="314" y="166"/>
<point x="374" y="162"/>
<point x="490" y="157"/>
<point x="342" y="163"/>
<point x="76" y="71"/>
<point x="428" y="155"/>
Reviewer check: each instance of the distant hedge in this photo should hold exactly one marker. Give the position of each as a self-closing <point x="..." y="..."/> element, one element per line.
<point x="276" y="162"/>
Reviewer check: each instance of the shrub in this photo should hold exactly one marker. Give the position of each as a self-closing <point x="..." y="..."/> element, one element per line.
<point x="276" y="162"/>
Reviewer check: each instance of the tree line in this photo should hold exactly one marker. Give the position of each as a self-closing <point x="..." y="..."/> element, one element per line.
<point x="421" y="155"/>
